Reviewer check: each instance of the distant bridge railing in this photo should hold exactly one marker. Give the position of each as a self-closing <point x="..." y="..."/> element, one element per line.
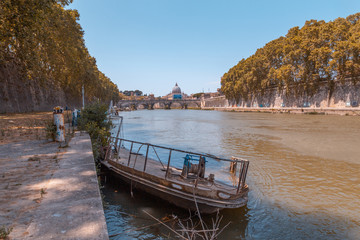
<point x="149" y="103"/>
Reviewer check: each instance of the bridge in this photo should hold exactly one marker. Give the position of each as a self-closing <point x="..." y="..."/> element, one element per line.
<point x="163" y="103"/>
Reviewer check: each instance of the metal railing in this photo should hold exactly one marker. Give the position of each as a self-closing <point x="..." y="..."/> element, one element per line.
<point x="116" y="143"/>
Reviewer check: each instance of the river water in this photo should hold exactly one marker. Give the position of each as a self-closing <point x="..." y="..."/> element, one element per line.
<point x="304" y="173"/>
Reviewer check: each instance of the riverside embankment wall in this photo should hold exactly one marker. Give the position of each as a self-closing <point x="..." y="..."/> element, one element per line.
<point x="345" y="98"/>
<point x="18" y="94"/>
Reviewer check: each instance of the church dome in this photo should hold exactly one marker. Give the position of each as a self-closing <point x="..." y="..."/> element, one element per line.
<point x="176" y="89"/>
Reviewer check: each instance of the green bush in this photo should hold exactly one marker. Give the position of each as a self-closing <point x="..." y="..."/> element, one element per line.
<point x="95" y="112"/>
<point x="93" y="119"/>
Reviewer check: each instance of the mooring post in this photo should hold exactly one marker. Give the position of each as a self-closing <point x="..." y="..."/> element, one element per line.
<point x="59" y="122"/>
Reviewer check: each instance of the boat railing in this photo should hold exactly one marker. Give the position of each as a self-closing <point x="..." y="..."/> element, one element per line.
<point x="116" y="144"/>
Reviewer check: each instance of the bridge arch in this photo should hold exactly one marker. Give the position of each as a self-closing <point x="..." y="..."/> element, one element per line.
<point x="176" y="104"/>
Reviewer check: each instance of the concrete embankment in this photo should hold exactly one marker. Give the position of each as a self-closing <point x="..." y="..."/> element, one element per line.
<point x="327" y="111"/>
<point x="342" y="99"/>
<point x="51" y="193"/>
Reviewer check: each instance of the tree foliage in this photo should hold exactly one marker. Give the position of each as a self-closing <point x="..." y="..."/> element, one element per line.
<point x="132" y="93"/>
<point x="319" y="52"/>
<point x="46" y="42"/>
<point x="197" y="95"/>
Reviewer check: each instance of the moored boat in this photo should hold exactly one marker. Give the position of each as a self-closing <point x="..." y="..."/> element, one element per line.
<point x="189" y="187"/>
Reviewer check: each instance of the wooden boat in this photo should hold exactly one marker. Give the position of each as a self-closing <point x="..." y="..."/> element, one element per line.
<point x="188" y="188"/>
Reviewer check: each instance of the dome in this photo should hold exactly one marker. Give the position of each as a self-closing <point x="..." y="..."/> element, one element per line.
<point x="176" y="89"/>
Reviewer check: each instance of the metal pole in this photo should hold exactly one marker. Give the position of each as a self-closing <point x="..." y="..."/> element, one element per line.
<point x="130" y="153"/>
<point x="146" y="157"/>
<point x="189" y="152"/>
<point x="118" y="149"/>
<point x="245" y="173"/>
<point x="118" y="132"/>
<point x="168" y="165"/>
<point x="198" y="173"/>
<point x="119" y="146"/>
<point x="241" y="170"/>
<point x="107" y="151"/>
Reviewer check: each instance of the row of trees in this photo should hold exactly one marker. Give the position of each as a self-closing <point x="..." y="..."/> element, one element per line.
<point x="319" y="52"/>
<point x="46" y="43"/>
<point x="132" y="93"/>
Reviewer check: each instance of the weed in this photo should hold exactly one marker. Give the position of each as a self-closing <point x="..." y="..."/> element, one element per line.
<point x="50" y="130"/>
<point x="3" y="132"/>
<point x="4" y="232"/>
<point x="34" y="158"/>
<point x="42" y="192"/>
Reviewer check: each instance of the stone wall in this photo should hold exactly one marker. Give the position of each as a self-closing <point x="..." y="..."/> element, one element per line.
<point x="344" y="96"/>
<point x="22" y="95"/>
<point x="214" y="102"/>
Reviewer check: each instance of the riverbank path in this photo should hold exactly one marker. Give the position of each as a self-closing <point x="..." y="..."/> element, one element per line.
<point x="50" y="192"/>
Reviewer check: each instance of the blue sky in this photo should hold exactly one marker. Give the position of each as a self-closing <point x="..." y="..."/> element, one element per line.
<point x="152" y="44"/>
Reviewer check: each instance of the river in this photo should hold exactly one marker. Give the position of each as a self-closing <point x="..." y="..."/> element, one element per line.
<point x="304" y="173"/>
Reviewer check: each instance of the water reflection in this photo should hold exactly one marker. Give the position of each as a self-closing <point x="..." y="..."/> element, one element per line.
<point x="304" y="172"/>
<point x="126" y="220"/>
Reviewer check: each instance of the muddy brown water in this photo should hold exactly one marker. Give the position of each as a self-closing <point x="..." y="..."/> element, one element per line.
<point x="304" y="173"/>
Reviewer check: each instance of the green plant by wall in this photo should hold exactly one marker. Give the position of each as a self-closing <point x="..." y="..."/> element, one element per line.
<point x="94" y="120"/>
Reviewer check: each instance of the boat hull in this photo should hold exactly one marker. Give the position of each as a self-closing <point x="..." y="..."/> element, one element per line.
<point x="177" y="197"/>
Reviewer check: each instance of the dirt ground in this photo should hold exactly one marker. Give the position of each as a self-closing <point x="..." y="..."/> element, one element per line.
<point x="26" y="167"/>
<point x="27" y="161"/>
<point x="25" y="126"/>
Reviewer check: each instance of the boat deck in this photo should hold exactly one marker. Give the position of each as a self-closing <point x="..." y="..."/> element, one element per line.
<point x="158" y="171"/>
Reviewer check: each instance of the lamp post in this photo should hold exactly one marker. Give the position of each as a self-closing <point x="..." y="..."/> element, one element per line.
<point x="83" y="96"/>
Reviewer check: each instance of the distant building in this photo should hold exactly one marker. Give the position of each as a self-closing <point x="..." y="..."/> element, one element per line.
<point x="176" y="92"/>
